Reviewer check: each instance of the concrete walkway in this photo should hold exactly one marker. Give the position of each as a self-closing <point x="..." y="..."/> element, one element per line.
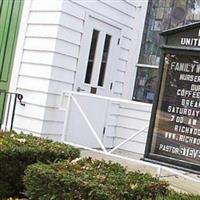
<point x="176" y="182"/>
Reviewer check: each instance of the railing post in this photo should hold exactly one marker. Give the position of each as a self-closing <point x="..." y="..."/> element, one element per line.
<point x="13" y="112"/>
<point x="8" y="110"/>
<point x="66" y="117"/>
<point x="158" y="172"/>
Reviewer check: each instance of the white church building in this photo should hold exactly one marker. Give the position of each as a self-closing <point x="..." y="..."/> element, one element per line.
<point x="88" y="47"/>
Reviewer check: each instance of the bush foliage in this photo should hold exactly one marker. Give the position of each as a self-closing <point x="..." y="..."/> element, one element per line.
<point x="51" y="177"/>
<point x="172" y="195"/>
<point x="17" y="151"/>
<point x="89" y="179"/>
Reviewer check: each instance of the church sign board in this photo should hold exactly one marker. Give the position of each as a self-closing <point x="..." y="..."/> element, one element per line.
<point x="174" y="132"/>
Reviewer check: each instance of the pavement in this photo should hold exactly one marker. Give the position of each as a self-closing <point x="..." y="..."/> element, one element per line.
<point x="176" y="182"/>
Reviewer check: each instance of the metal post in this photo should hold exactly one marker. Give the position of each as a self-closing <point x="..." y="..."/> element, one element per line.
<point x="2" y="95"/>
<point x="66" y="117"/>
<point x="13" y="113"/>
<point x="8" y="110"/>
<point x="158" y="173"/>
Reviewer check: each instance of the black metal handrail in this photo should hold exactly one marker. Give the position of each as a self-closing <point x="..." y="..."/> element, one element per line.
<point x="8" y="102"/>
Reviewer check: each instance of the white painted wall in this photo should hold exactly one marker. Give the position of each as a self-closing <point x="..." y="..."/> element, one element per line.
<point x="130" y="119"/>
<point x="124" y="120"/>
<point x="36" y="63"/>
<point x="139" y="22"/>
<point x="49" y="57"/>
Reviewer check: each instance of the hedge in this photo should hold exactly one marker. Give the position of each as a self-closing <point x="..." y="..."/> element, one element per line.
<point x="88" y="179"/>
<point x="17" y="151"/>
<point x="172" y="195"/>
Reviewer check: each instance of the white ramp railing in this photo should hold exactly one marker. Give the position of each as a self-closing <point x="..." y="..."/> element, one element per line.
<point x="72" y="97"/>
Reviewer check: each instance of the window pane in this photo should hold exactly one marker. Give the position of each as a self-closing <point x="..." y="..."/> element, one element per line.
<point x="104" y="60"/>
<point x="90" y="64"/>
<point x="145" y="86"/>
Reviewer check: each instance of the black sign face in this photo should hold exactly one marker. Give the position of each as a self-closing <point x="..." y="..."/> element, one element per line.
<point x="175" y="132"/>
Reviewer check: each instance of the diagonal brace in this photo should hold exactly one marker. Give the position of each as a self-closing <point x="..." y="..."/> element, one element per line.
<point x="89" y="124"/>
<point x="129" y="138"/>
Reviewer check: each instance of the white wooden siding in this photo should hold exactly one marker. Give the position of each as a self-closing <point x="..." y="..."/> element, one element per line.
<point x="36" y="65"/>
<point x="130" y="119"/>
<point x="46" y="5"/>
<point x="139" y="22"/>
<point x="76" y="10"/>
<point x="70" y="31"/>
<point x="50" y="56"/>
<point x="37" y="57"/>
<point x="44" y="18"/>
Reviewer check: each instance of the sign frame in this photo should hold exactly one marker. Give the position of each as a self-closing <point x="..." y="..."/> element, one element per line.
<point x="157" y="158"/>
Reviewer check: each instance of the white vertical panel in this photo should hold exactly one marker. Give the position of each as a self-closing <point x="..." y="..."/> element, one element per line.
<point x="34" y="76"/>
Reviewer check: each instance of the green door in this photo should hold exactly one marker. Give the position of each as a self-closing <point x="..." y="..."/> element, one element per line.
<point x="10" y="15"/>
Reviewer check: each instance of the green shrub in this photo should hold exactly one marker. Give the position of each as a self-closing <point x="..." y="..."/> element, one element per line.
<point x="17" y="151"/>
<point x="179" y="196"/>
<point x="88" y="179"/>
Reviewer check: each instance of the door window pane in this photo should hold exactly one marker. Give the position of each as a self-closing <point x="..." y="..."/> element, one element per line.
<point x="90" y="63"/>
<point x="145" y="86"/>
<point x="104" y="60"/>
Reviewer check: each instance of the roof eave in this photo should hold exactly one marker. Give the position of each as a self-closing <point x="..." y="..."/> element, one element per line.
<point x="180" y="29"/>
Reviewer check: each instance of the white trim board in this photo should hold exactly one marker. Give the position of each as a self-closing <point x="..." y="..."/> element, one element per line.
<point x="20" y="45"/>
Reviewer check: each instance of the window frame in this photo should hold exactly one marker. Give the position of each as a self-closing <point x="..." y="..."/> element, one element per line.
<point x="140" y="65"/>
